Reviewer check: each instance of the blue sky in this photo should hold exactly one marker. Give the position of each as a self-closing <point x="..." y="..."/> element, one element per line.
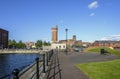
<point x="89" y="20"/>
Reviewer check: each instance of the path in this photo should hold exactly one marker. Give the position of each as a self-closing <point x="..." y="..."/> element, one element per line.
<point x="67" y="64"/>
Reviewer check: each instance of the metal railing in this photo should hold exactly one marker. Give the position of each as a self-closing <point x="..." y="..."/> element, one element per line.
<point x="54" y="71"/>
<point x="33" y="71"/>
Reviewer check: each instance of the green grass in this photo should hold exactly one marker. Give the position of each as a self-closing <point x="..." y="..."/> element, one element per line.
<point x="101" y="70"/>
<point x="117" y="52"/>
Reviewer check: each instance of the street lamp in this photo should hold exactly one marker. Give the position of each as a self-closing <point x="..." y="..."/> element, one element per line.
<point x="66" y="41"/>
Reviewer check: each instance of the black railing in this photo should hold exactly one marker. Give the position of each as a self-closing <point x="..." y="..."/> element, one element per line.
<point x="37" y="68"/>
<point x="54" y="71"/>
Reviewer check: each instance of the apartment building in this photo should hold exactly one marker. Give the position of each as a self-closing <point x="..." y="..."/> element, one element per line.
<point x="3" y="38"/>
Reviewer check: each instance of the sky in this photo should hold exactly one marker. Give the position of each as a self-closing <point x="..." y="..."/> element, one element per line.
<point x="89" y="20"/>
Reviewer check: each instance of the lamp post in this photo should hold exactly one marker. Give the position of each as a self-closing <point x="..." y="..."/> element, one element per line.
<point x="66" y="41"/>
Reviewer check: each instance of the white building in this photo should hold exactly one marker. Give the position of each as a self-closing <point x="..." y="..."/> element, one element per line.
<point x="58" y="46"/>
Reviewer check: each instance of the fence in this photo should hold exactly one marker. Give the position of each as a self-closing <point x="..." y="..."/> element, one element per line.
<point x="34" y="71"/>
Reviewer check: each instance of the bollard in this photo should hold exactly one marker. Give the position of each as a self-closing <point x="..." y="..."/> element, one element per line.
<point x="47" y="58"/>
<point x="37" y="68"/>
<point x="15" y="74"/>
<point x="43" y="63"/>
<point x="49" y="55"/>
<point x="102" y="51"/>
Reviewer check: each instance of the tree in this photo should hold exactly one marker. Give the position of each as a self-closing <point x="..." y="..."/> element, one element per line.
<point x="46" y="43"/>
<point x="12" y="44"/>
<point x="49" y="43"/>
<point x="39" y="43"/>
<point x="20" y="44"/>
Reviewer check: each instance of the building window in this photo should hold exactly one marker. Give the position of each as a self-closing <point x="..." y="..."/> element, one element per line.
<point x="4" y="34"/>
<point x="63" y="46"/>
<point x="60" y="47"/>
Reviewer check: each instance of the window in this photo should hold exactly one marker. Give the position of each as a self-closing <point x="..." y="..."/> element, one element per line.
<point x="60" y="47"/>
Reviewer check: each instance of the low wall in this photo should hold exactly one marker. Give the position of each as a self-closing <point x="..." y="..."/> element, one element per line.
<point x="7" y="51"/>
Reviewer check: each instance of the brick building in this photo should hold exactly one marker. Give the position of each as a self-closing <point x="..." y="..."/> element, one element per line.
<point x="114" y="44"/>
<point x="61" y="44"/>
<point x="3" y="38"/>
<point x="72" y="42"/>
<point x="29" y="45"/>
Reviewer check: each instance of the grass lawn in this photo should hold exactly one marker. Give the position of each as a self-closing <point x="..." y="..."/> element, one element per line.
<point x="117" y="52"/>
<point x="101" y="70"/>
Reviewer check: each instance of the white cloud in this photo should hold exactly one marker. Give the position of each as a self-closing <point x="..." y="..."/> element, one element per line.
<point x="111" y="37"/>
<point x="93" y="5"/>
<point x="115" y="35"/>
<point x="104" y="38"/>
<point x="92" y="14"/>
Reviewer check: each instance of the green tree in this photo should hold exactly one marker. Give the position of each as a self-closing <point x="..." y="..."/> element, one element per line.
<point x="49" y="43"/>
<point x="12" y="44"/>
<point x="46" y="43"/>
<point x="20" y="44"/>
<point x="39" y="43"/>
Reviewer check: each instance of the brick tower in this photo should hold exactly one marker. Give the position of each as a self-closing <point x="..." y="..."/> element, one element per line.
<point x="55" y="34"/>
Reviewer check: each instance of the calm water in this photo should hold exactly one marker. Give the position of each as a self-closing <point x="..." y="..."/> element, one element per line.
<point x="8" y="62"/>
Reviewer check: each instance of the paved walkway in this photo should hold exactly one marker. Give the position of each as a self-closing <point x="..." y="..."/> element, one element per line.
<point x="67" y="64"/>
<point x="69" y="71"/>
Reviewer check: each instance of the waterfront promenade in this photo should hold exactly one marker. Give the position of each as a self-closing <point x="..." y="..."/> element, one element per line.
<point x="68" y="70"/>
<point x="62" y="66"/>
